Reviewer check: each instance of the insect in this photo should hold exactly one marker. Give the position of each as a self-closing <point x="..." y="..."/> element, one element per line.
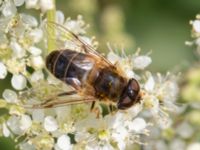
<point x="90" y="75"/>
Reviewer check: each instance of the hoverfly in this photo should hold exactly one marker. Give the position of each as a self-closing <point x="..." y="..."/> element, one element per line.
<point x="90" y="75"/>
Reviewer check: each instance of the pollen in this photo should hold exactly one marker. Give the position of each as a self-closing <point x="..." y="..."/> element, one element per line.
<point x="103" y="134"/>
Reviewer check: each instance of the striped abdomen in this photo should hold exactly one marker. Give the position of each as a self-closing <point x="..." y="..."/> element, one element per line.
<point x="69" y="66"/>
<point x="79" y="69"/>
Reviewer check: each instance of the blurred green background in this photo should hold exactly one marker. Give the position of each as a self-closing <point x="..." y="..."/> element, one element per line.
<point x="160" y="26"/>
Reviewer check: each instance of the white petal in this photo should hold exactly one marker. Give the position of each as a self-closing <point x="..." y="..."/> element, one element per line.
<point x="50" y="124"/>
<point x="149" y="85"/>
<point x="19" y="52"/>
<point x="74" y="26"/>
<point x="31" y="3"/>
<point x="3" y="37"/>
<point x="112" y="57"/>
<point x="19" y="2"/>
<point x="35" y="51"/>
<point x="6" y="131"/>
<point x="10" y="96"/>
<point x="154" y="102"/>
<point x="177" y="144"/>
<point x="46" y="5"/>
<point x="37" y="75"/>
<point x="161" y="145"/>
<point x="36" y="35"/>
<point x="37" y="62"/>
<point x="29" y="20"/>
<point x="64" y="142"/>
<point x="86" y="39"/>
<point x="120" y="134"/>
<point x="129" y="73"/>
<point x="134" y="110"/>
<point x="13" y="124"/>
<point x="60" y="17"/>
<point x="9" y="9"/>
<point x="38" y="115"/>
<point x="3" y="71"/>
<point x="185" y="130"/>
<point x="172" y="89"/>
<point x="141" y="62"/>
<point x="164" y="122"/>
<point x="196" y="25"/>
<point x="25" y="122"/>
<point x="137" y="125"/>
<point x="194" y="146"/>
<point x="80" y="136"/>
<point x="18" y="81"/>
<point x="26" y="146"/>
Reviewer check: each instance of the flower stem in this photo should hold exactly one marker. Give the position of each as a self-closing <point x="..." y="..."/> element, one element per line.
<point x="51" y="43"/>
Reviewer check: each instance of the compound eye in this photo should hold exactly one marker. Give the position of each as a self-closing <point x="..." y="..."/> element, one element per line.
<point x="125" y="103"/>
<point x="129" y="95"/>
<point x="133" y="86"/>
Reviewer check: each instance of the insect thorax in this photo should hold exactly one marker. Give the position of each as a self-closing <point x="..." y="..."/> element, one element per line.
<point x="109" y="84"/>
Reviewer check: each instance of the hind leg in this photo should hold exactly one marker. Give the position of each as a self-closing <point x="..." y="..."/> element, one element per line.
<point x="96" y="109"/>
<point x="112" y="109"/>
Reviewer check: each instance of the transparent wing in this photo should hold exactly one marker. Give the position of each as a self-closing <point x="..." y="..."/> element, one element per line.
<point x="62" y="99"/>
<point x="63" y="38"/>
<point x="46" y="95"/>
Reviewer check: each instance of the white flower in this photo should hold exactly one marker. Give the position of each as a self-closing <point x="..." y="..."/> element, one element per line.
<point x="185" y="130"/>
<point x="193" y="146"/>
<point x="116" y="128"/>
<point x="18" y="81"/>
<point x="19" y="2"/>
<point x="112" y="57"/>
<point x="135" y="110"/>
<point x="50" y="124"/>
<point x="19" y="52"/>
<point x="102" y="129"/>
<point x="8" y="8"/>
<point x="60" y="18"/>
<point x="141" y="62"/>
<point x="149" y="85"/>
<point x="10" y="96"/>
<point x="6" y="131"/>
<point x="161" y="145"/>
<point x="13" y="124"/>
<point x="25" y="122"/>
<point x="26" y="146"/>
<point x="63" y="142"/>
<point x="38" y="115"/>
<point x="29" y="20"/>
<point x="177" y="144"/>
<point x="31" y="3"/>
<point x="196" y="25"/>
<point x="137" y="125"/>
<point x="3" y="71"/>
<point x="159" y="89"/>
<point x="36" y="35"/>
<point x="46" y="5"/>
<point x="36" y="76"/>
<point x="35" y="51"/>
<point x="37" y="62"/>
<point x="76" y="26"/>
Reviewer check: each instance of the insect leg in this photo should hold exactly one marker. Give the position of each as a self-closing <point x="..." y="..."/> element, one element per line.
<point x="92" y="106"/>
<point x="67" y="93"/>
<point x="111" y="109"/>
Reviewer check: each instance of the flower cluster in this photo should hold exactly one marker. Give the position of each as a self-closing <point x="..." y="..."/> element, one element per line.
<point x="23" y="44"/>
<point x="183" y="133"/>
